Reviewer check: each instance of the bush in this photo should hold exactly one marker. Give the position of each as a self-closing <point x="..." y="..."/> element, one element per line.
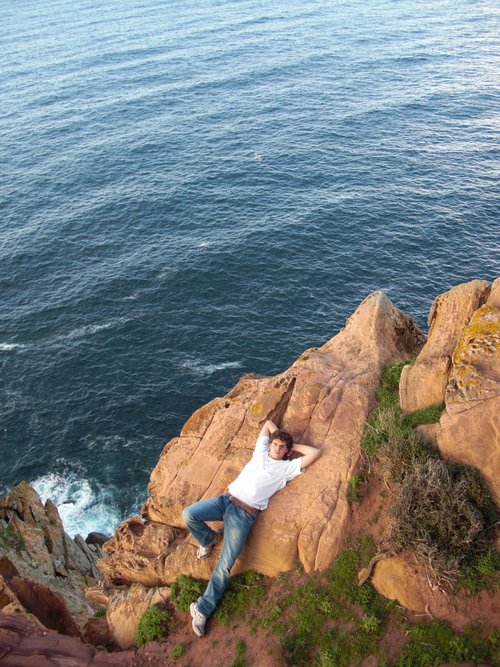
<point x="443" y="512"/>
<point x="100" y="612"/>
<point x="186" y="590"/>
<point x="153" y="624"/>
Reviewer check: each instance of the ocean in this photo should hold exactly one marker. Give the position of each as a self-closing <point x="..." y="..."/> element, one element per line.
<point x="196" y="190"/>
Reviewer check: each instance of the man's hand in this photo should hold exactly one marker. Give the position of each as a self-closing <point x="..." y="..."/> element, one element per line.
<point x="309" y="454"/>
<point x="268" y="428"/>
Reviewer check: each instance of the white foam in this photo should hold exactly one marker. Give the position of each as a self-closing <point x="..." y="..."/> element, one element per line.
<point x="83" y="508"/>
<point x="89" y="329"/>
<point x="7" y="347"/>
<point x="200" y="368"/>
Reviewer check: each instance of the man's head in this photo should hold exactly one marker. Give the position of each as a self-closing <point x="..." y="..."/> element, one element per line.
<point x="280" y="445"/>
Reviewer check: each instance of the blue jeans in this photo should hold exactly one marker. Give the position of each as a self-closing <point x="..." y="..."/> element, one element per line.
<point x="237" y="524"/>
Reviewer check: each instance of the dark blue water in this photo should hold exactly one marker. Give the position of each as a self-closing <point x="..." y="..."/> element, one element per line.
<point x="195" y="190"/>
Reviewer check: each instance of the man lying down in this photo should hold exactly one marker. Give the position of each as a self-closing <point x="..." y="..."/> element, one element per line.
<point x="269" y="469"/>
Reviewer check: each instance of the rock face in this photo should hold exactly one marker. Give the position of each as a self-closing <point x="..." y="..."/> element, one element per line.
<point x="43" y="569"/>
<point x="424" y="382"/>
<point x="322" y="399"/>
<point x="126" y="607"/>
<point x="460" y="365"/>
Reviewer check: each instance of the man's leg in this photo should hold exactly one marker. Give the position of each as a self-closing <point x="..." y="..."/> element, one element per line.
<point x="237" y="525"/>
<point x="211" y="509"/>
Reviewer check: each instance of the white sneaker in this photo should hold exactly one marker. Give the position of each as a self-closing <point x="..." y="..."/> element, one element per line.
<point x="199" y="620"/>
<point x="204" y="552"/>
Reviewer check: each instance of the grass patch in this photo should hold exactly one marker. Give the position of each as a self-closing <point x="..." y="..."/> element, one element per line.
<point x="432" y="644"/>
<point x="310" y="635"/>
<point x="240" y="660"/>
<point x="153" y="624"/>
<point x="186" y="590"/>
<point x="179" y="650"/>
<point x="482" y="573"/>
<point x="243" y="592"/>
<point x="429" y="415"/>
<point x="353" y="489"/>
<point x="389" y="434"/>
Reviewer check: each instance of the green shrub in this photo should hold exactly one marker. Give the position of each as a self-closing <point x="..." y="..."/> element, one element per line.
<point x="443" y="512"/>
<point x="153" y="624"/>
<point x="100" y="612"/>
<point x="432" y="644"/>
<point x="481" y="573"/>
<point x="186" y="590"/>
<point x="243" y="592"/>
<point x="179" y="650"/>
<point x="353" y="489"/>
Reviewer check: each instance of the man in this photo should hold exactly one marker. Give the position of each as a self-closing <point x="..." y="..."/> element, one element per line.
<point x="268" y="471"/>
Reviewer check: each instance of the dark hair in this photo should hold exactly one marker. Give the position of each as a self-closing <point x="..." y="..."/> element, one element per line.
<point x="287" y="439"/>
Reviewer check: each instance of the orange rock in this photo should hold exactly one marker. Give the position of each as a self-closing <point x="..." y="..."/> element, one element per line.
<point x="469" y="429"/>
<point x="125" y="609"/>
<point x="424" y="382"/>
<point x="322" y="399"/>
<point x="395" y="579"/>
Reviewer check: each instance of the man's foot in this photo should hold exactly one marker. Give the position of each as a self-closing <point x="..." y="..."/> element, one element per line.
<point x="204" y="552"/>
<point x="199" y="620"/>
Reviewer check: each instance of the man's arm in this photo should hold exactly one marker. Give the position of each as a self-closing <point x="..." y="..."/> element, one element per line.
<point x="268" y="428"/>
<point x="309" y="454"/>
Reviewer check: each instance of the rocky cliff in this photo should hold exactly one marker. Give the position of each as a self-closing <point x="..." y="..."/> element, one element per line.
<point x="43" y="571"/>
<point x="322" y="399"/>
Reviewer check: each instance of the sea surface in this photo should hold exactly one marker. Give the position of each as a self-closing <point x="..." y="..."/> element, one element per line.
<point x="195" y="190"/>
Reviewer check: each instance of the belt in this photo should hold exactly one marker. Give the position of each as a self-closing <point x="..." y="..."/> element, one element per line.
<point x="246" y="507"/>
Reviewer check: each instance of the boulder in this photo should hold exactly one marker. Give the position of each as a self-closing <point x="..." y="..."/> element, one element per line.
<point x="125" y="609"/>
<point x="424" y="382"/>
<point x="395" y="579"/>
<point x="322" y="399"/>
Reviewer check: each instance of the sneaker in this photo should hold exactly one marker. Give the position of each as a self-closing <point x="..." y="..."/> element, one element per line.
<point x="204" y="552"/>
<point x="199" y="620"/>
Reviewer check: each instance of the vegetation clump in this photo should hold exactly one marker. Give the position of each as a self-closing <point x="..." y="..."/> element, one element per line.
<point x="353" y="489"/>
<point x="153" y="624"/>
<point x="179" y="650"/>
<point x="444" y="513"/>
<point x="240" y="660"/>
<point x="309" y="636"/>
<point x="390" y="435"/>
<point x="433" y="644"/>
<point x="243" y="592"/>
<point x="186" y="590"/>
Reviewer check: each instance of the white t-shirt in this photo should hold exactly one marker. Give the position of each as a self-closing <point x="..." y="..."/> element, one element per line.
<point x="263" y="476"/>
